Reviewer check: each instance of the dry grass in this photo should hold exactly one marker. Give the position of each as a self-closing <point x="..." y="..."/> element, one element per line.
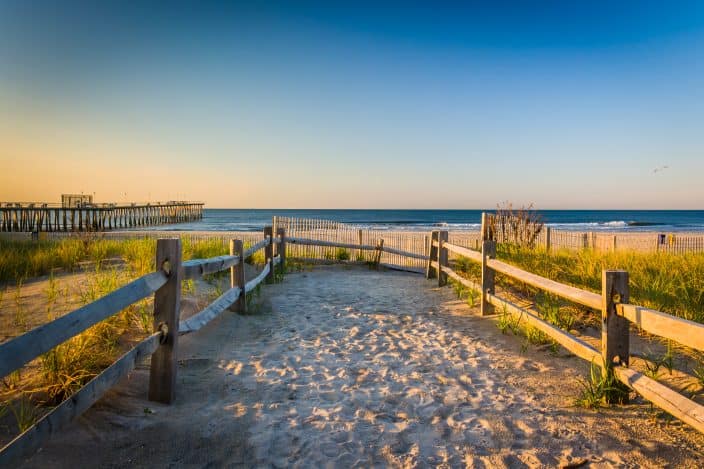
<point x="28" y="393"/>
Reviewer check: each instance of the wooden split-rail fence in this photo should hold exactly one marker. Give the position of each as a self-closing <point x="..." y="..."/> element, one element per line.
<point x="616" y="313"/>
<point x="165" y="284"/>
<point x="161" y="346"/>
<point x="42" y="217"/>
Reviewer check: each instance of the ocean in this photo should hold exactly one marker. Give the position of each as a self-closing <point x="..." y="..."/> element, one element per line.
<point x="425" y="220"/>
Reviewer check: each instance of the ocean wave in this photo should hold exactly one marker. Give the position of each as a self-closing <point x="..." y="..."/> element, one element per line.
<point x="611" y="225"/>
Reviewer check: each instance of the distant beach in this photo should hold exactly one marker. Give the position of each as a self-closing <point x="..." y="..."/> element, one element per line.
<point x="621" y="221"/>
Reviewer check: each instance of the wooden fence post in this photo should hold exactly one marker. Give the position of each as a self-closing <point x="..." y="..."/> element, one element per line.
<point x="377" y="255"/>
<point x="613" y="244"/>
<point x="485" y="227"/>
<point x="167" y="303"/>
<point x="360" y="253"/>
<point x="442" y="258"/>
<point x="269" y="253"/>
<point x="488" y="252"/>
<point x="281" y="249"/>
<point x="432" y="255"/>
<point x="614" y="328"/>
<point x="548" y="241"/>
<point x="237" y="277"/>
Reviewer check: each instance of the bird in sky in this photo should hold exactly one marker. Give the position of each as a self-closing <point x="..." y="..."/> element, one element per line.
<point x="660" y="168"/>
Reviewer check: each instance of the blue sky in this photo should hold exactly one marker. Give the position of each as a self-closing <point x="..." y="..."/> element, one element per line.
<point x="403" y="105"/>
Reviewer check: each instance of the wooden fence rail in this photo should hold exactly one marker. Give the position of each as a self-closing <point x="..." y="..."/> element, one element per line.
<point x="165" y="284"/>
<point x="617" y="313"/>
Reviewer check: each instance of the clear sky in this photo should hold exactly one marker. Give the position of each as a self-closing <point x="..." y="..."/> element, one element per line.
<point x="566" y="104"/>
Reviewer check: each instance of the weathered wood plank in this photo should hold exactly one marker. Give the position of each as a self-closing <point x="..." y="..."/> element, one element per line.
<point x="466" y="282"/>
<point x="614" y="328"/>
<point x="400" y="252"/>
<point x="668" y="400"/>
<point x="688" y="333"/>
<point x="210" y="312"/>
<point x="196" y="268"/>
<point x="281" y="249"/>
<point x="167" y="304"/>
<point x="576" y="295"/>
<point x="488" y="284"/>
<point x="256" y="247"/>
<point x="432" y="266"/>
<point x="269" y="253"/>
<point x="237" y="275"/>
<point x="22" y="349"/>
<point x="29" y="441"/>
<point x="567" y="340"/>
<point x="252" y="284"/>
<point x="475" y="256"/>
<point x="443" y="258"/>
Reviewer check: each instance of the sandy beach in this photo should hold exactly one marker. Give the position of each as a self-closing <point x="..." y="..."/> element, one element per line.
<point x="343" y="366"/>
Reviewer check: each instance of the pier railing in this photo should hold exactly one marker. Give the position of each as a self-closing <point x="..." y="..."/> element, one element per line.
<point x="165" y="285"/>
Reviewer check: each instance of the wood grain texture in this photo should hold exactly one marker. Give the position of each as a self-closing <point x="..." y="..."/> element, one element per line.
<point x="432" y="266"/>
<point x="668" y="400"/>
<point x="213" y="310"/>
<point x="400" y="252"/>
<point x="281" y="249"/>
<point x="252" y="284"/>
<point x="576" y="295"/>
<point x="475" y="256"/>
<point x="466" y="282"/>
<point x="196" y="268"/>
<point x="237" y="275"/>
<point x="488" y="284"/>
<point x="269" y="253"/>
<point x="614" y="328"/>
<point x="443" y="258"/>
<point x="256" y="247"/>
<point x="167" y="304"/>
<point x="688" y="333"/>
<point x="567" y="340"/>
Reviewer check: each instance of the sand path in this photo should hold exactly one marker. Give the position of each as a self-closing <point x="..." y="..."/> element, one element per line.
<point x="346" y="366"/>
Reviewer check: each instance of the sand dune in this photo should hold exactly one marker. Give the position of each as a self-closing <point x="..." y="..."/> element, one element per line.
<point x="349" y="367"/>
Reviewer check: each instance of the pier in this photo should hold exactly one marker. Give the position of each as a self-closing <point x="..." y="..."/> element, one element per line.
<point x="31" y="217"/>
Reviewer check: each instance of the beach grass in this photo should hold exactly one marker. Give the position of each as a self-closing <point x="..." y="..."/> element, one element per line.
<point x="26" y="259"/>
<point x="66" y="368"/>
<point x="672" y="283"/>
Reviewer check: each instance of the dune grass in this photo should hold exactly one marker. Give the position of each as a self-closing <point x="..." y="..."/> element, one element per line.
<point x="66" y="368"/>
<point x="672" y="283"/>
<point x="21" y="260"/>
